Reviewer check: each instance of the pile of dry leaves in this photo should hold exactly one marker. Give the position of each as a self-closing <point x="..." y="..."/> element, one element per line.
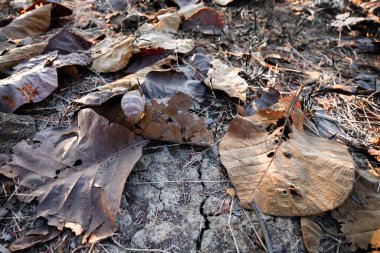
<point x="286" y="149"/>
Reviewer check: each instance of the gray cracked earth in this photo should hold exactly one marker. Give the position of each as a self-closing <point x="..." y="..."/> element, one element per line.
<point x="175" y="200"/>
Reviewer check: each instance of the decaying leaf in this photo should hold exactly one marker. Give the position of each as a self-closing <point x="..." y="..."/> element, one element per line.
<point x="111" y="55"/>
<point x="174" y="123"/>
<point x="223" y="2"/>
<point x="133" y="105"/>
<point x="165" y="41"/>
<point x="359" y="216"/>
<point x="311" y="235"/>
<point x="206" y="20"/>
<point x="222" y="77"/>
<point x="32" y="23"/>
<point x="164" y="84"/>
<point x="285" y="171"/>
<point x="34" y="237"/>
<point x="15" y="55"/>
<point x="77" y="173"/>
<point x="267" y="97"/>
<point x="66" y="42"/>
<point x="35" y="80"/>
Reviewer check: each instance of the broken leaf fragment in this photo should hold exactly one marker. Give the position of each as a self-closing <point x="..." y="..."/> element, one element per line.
<point x="173" y="122"/>
<point x="77" y="173"/>
<point x="33" y="237"/>
<point x="111" y="55"/>
<point x="32" y="23"/>
<point x="311" y="235"/>
<point x="359" y="216"/>
<point x="284" y="170"/>
<point x="222" y="77"/>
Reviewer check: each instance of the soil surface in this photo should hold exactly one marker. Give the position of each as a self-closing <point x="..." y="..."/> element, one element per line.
<point x="175" y="199"/>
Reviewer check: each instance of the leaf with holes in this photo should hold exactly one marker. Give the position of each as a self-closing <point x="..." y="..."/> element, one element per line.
<point x="271" y="161"/>
<point x="77" y="173"/>
<point x="359" y="216"/>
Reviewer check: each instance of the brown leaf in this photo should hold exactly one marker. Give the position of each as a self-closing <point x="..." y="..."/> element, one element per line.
<point x="206" y="20"/>
<point x="77" y="173"/>
<point x="359" y="216"/>
<point x="311" y="234"/>
<point x="111" y="55"/>
<point x="34" y="237"/>
<point x="35" y="81"/>
<point x="267" y="97"/>
<point x="144" y="58"/>
<point x="223" y="2"/>
<point x="285" y="171"/>
<point x="185" y="3"/>
<point x="66" y="42"/>
<point x="174" y="123"/>
<point x="222" y="77"/>
<point x="32" y="23"/>
<point x="15" y="55"/>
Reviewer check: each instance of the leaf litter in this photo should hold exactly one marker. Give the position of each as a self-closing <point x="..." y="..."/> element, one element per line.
<point x="162" y="73"/>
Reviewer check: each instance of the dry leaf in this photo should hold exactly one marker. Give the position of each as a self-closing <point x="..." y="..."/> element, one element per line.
<point x="66" y="42"/>
<point x="285" y="171"/>
<point x="359" y="216"/>
<point x="222" y="77"/>
<point x="206" y="20"/>
<point x="77" y="173"/>
<point x="267" y="97"/>
<point x="133" y="105"/>
<point x="223" y="2"/>
<point x="187" y="11"/>
<point x="311" y="234"/>
<point x="167" y="23"/>
<point x="185" y="3"/>
<point x="34" y="237"/>
<point x="144" y="58"/>
<point x="32" y="23"/>
<point x="15" y="55"/>
<point x="100" y="97"/>
<point x="111" y="55"/>
<point x="35" y="80"/>
<point x="165" y="41"/>
<point x="174" y="123"/>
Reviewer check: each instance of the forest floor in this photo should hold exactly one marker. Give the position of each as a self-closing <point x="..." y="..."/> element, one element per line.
<point x="175" y="198"/>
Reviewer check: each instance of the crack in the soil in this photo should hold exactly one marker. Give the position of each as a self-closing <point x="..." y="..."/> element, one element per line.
<point x="206" y="225"/>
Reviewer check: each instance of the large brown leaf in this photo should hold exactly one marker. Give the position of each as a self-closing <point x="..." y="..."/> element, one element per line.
<point x="32" y="23"/>
<point x="359" y="216"/>
<point x="77" y="173"/>
<point x="35" y="80"/>
<point x="285" y="171"/>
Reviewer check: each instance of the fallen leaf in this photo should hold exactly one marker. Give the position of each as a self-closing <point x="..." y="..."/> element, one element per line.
<point x="17" y="54"/>
<point x="206" y="20"/>
<point x="164" y="84"/>
<point x="187" y="11"/>
<point x="167" y="23"/>
<point x="34" y="237"/>
<point x="66" y="42"/>
<point x="185" y="3"/>
<point x="100" y="97"/>
<point x="174" y="123"/>
<point x="375" y="153"/>
<point x="223" y="2"/>
<point x="111" y="55"/>
<point x="133" y="105"/>
<point x="32" y="23"/>
<point x="222" y="77"/>
<point x="266" y="98"/>
<point x="165" y="41"/>
<point x="285" y="171"/>
<point x="77" y="173"/>
<point x="311" y="235"/>
<point x="34" y="81"/>
<point x="58" y="10"/>
<point x="145" y="58"/>
<point x="359" y="216"/>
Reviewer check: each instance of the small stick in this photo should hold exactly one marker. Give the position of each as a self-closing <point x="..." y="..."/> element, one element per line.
<point x="229" y="225"/>
<point x="262" y="226"/>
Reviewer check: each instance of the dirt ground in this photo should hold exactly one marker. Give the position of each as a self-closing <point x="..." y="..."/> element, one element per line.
<point x="175" y="199"/>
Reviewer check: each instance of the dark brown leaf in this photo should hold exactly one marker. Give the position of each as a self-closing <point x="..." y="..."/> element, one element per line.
<point x="77" y="173"/>
<point x="146" y="57"/>
<point x="206" y="20"/>
<point x="266" y="98"/>
<point x="66" y="42"/>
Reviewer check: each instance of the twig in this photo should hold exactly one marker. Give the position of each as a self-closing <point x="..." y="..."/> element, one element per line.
<point x="262" y="226"/>
<point x="137" y="250"/>
<point x="229" y="225"/>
